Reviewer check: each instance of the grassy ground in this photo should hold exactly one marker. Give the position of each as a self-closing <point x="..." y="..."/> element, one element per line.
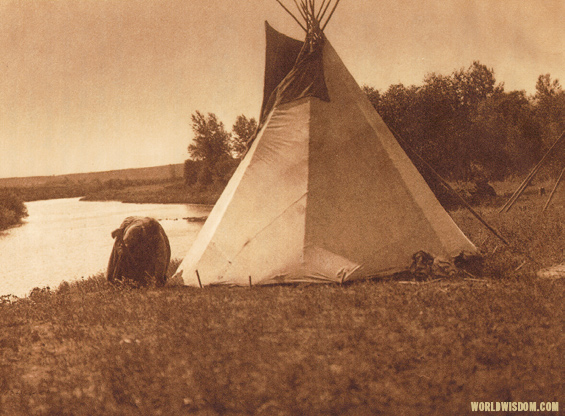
<point x="370" y="348"/>
<point x="388" y="347"/>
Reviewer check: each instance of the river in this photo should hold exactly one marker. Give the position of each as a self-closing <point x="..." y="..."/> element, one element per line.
<point x="67" y="239"/>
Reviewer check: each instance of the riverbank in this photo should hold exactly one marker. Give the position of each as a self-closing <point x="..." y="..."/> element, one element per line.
<point x="368" y="348"/>
<point x="159" y="185"/>
<point x="172" y="192"/>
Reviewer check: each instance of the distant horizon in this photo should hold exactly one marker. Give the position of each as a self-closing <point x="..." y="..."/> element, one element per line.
<point x="93" y="171"/>
<point x="94" y="86"/>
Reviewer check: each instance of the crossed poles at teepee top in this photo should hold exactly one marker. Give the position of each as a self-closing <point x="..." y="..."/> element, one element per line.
<point x="312" y="15"/>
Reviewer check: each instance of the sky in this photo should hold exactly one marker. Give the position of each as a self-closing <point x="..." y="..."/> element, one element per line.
<point x="93" y="85"/>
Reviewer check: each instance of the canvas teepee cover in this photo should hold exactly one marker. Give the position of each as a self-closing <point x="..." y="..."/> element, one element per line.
<point x="325" y="192"/>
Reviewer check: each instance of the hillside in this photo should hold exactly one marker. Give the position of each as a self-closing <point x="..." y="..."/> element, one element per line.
<point x="137" y="174"/>
<point x="157" y="185"/>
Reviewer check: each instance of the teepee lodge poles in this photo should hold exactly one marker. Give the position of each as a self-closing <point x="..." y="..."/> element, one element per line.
<point x="323" y="10"/>
<point x="312" y="15"/>
<point x="447" y="186"/>
<point x="508" y="205"/>
<point x="330" y="16"/>
<point x="554" y="189"/>
<point x="320" y="10"/>
<point x="300" y="10"/>
<point x="293" y="16"/>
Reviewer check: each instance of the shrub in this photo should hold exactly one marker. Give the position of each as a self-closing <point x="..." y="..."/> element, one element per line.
<point x="12" y="209"/>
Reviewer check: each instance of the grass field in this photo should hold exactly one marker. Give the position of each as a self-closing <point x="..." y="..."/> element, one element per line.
<point x="376" y="347"/>
<point x="370" y="348"/>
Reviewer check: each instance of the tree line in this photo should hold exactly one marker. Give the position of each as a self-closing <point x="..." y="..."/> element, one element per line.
<point x="468" y="127"/>
<point x="465" y="125"/>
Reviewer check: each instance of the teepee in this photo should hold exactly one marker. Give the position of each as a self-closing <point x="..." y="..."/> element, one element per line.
<point x="325" y="193"/>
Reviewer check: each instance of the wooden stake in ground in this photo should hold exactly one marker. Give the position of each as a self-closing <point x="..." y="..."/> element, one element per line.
<point x="199" y="282"/>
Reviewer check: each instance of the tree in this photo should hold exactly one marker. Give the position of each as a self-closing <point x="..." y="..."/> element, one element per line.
<point x="373" y="95"/>
<point x="211" y="141"/>
<point x="547" y="89"/>
<point x="12" y="209"/>
<point x="243" y="132"/>
<point x="475" y="84"/>
<point x="210" y="146"/>
<point x="191" y="170"/>
<point x="549" y="101"/>
<point x="507" y="138"/>
<point x="446" y="107"/>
